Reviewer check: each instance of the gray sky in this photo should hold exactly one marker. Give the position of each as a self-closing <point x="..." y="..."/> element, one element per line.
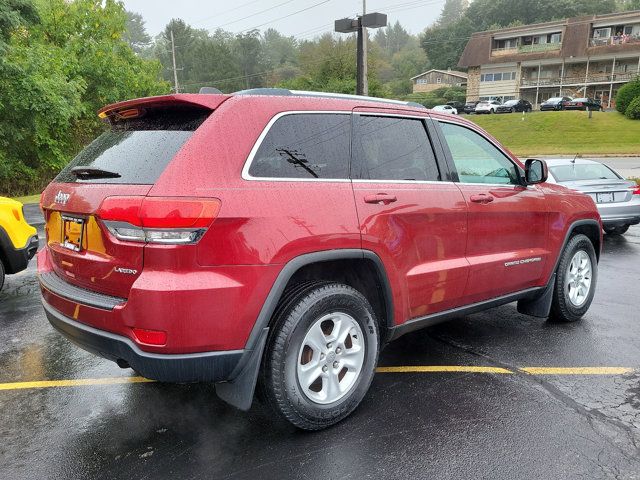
<point x="314" y="17"/>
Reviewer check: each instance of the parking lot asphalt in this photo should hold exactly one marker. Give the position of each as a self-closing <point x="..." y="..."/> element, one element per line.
<point x="494" y="395"/>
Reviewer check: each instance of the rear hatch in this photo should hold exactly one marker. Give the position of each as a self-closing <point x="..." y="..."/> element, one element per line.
<point x="596" y="180"/>
<point x="93" y="206"/>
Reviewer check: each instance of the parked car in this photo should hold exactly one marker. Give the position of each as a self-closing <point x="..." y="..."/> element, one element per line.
<point x="489" y="106"/>
<point x="283" y="237"/>
<point x="511" y="106"/>
<point x="583" y="104"/>
<point x="617" y="199"/>
<point x="445" y="109"/>
<point x="18" y="239"/>
<point x="459" y="106"/>
<point x="470" y="107"/>
<point x="554" y="103"/>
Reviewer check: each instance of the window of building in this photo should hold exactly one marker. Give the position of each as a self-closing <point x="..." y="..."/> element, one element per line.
<point x="392" y="148"/>
<point x="555" y="38"/>
<point x="421" y="81"/>
<point x="602" y="32"/>
<point x="305" y="146"/>
<point x="438" y="80"/>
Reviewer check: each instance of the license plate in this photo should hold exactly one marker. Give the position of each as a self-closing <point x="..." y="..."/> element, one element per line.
<point x="604" y="197"/>
<point x="72" y="232"/>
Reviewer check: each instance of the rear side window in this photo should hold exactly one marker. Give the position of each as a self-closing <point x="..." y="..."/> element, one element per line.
<point x="305" y="146"/>
<point x="392" y="148"/>
<point x="139" y="149"/>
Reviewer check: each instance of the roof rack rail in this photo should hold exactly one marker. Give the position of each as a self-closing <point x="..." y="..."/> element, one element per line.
<point x="303" y="93"/>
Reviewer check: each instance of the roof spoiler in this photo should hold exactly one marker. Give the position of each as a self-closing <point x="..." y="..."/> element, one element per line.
<point x="208" y="102"/>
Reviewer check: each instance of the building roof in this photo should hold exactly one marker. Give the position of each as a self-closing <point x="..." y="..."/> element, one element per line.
<point x="575" y="42"/>
<point x="455" y="73"/>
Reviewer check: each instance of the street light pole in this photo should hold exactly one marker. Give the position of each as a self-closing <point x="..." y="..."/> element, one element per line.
<point x="359" y="25"/>
<point x="364" y="74"/>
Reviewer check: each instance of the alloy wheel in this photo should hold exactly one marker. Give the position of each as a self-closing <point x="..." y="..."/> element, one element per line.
<point x="578" y="278"/>
<point x="330" y="358"/>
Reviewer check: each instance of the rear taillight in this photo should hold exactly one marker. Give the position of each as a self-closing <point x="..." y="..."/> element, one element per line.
<point x="168" y="220"/>
<point x="635" y="189"/>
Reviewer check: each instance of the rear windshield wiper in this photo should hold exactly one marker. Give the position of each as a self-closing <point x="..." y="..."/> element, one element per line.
<point x="84" y="173"/>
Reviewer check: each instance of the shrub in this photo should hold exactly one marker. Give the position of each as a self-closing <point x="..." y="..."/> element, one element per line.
<point x="626" y="94"/>
<point x="633" y="110"/>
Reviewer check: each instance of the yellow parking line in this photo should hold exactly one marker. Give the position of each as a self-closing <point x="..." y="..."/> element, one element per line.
<point x="73" y="383"/>
<point x="577" y="370"/>
<point x="397" y="369"/>
<point x="442" y="368"/>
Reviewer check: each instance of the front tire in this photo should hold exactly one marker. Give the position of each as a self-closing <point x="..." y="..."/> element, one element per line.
<point x="321" y="355"/>
<point x="621" y="230"/>
<point x="576" y="278"/>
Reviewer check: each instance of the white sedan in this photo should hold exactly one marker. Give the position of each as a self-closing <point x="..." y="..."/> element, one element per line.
<point x="445" y="109"/>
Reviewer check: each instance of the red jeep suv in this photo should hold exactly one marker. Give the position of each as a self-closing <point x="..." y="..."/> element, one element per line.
<point x="280" y="238"/>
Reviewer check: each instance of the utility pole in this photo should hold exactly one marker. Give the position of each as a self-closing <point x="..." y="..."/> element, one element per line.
<point x="175" y="70"/>
<point x="359" y="25"/>
<point x="363" y="79"/>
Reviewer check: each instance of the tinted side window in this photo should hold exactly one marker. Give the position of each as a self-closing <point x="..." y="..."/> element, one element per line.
<point x="391" y="148"/>
<point x="476" y="159"/>
<point x="305" y="146"/>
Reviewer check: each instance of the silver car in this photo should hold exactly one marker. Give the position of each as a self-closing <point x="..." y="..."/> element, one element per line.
<point x="617" y="199"/>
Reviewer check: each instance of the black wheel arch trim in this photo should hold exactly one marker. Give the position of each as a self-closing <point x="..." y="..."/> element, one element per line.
<point x="295" y="264"/>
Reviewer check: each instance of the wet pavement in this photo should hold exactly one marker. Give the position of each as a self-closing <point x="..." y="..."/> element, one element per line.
<point x="447" y="425"/>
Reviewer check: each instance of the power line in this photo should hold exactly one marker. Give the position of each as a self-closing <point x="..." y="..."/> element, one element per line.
<point x="219" y="14"/>
<point x="286" y="16"/>
<point x="252" y="15"/>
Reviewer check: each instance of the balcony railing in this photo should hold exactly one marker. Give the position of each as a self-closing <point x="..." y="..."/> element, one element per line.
<point x="556" y="81"/>
<point x="539" y="47"/>
<point x="614" y="40"/>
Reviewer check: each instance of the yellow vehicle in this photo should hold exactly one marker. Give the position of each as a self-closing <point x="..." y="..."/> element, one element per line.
<point x="18" y="239"/>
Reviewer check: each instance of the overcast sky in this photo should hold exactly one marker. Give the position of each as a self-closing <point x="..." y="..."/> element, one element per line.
<point x="305" y="18"/>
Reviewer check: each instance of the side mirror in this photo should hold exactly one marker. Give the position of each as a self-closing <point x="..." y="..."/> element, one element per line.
<point x="535" y="171"/>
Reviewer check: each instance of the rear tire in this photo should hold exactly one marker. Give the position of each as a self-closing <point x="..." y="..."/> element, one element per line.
<point x="616" y="230"/>
<point x="321" y="355"/>
<point x="575" y="283"/>
<point x="2" y="275"/>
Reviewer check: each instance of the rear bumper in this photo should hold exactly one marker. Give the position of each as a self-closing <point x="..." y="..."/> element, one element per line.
<point x="17" y="259"/>
<point x="193" y="367"/>
<point x="620" y="221"/>
<point x="619" y="214"/>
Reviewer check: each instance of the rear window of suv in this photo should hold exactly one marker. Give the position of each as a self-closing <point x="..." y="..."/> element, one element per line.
<point x="305" y="146"/>
<point x="139" y="149"/>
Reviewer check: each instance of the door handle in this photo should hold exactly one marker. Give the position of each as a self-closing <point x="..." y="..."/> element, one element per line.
<point x="481" y="198"/>
<point x="380" y="198"/>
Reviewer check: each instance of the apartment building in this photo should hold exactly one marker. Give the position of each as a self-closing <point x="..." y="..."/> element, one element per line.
<point x="591" y="56"/>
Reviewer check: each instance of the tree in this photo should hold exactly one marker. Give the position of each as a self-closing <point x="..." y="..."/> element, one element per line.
<point x="56" y="73"/>
<point x="452" y="11"/>
<point x="248" y="49"/>
<point x="392" y="39"/>
<point x="135" y="34"/>
<point x="15" y="14"/>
